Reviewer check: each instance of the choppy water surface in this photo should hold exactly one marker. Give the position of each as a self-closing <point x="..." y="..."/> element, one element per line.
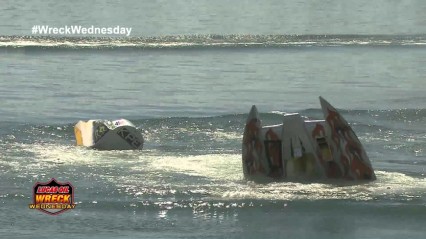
<point x="188" y="81"/>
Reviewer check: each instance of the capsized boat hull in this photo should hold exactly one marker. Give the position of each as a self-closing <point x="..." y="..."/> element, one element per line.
<point x="108" y="135"/>
<point x="304" y="149"/>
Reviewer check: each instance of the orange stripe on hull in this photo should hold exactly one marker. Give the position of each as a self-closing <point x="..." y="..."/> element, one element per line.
<point x="78" y="137"/>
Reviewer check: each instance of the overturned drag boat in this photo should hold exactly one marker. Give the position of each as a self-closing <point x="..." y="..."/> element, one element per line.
<point x="108" y="135"/>
<point x="304" y="149"/>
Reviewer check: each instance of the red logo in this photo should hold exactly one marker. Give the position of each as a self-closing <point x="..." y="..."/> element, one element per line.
<point x="53" y="197"/>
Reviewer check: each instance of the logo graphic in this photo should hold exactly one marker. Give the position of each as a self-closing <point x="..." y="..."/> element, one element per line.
<point x="53" y="197"/>
<point x="125" y="134"/>
<point x="100" y="130"/>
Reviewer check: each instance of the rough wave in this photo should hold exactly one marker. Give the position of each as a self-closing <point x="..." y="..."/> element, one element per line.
<point x="209" y="41"/>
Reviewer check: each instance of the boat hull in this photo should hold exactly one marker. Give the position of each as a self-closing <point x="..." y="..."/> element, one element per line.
<point x="108" y="135"/>
<point x="301" y="149"/>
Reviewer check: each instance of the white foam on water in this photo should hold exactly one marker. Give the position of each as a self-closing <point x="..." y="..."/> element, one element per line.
<point x="388" y="185"/>
<point x="222" y="136"/>
<point x="223" y="175"/>
<point x="225" y="170"/>
<point x="76" y="155"/>
<point x="225" y="167"/>
<point x="92" y="44"/>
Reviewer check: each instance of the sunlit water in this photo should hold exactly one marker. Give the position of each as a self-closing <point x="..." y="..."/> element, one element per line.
<point x="190" y="96"/>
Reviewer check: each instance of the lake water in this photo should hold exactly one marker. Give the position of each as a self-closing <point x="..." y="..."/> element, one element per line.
<point x="187" y="76"/>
